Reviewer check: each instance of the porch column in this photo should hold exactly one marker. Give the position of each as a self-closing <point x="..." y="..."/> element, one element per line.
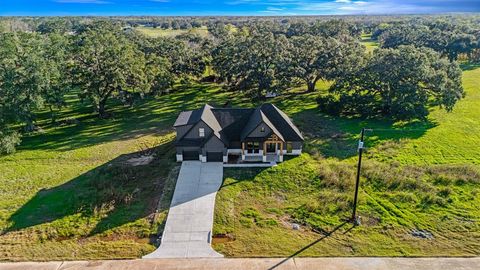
<point x="243" y="151"/>
<point x="264" y="156"/>
<point x="280" y="157"/>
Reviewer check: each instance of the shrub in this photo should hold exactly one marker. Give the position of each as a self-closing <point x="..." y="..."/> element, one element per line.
<point x="8" y="141"/>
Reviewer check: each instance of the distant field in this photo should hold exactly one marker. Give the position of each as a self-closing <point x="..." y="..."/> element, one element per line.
<point x="369" y="43"/>
<point x="158" y="32"/>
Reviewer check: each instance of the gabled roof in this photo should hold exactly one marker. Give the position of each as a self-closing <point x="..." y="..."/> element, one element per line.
<point x="232" y="121"/>
<point x="235" y="124"/>
<point x="280" y="120"/>
<point x="186" y="118"/>
<point x="204" y="114"/>
<point x="255" y="120"/>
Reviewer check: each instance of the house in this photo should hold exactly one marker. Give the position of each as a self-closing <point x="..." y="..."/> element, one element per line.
<point x="261" y="134"/>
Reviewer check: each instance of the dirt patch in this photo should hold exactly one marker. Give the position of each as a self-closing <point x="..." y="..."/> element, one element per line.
<point x="422" y="234"/>
<point x="290" y="224"/>
<point x="222" y="238"/>
<point x="139" y="161"/>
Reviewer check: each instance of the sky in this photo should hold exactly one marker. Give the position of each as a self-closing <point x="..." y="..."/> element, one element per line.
<point x="232" y="7"/>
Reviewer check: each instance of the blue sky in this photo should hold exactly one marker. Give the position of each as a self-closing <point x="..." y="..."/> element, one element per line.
<point x="233" y="7"/>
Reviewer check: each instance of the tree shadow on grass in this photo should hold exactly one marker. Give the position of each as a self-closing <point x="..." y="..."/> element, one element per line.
<point x="106" y="197"/>
<point x="469" y="66"/>
<point x="152" y="115"/>
<point x="326" y="235"/>
<point x="338" y="136"/>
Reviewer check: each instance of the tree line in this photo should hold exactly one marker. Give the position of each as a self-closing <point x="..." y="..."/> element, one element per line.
<point x="104" y="59"/>
<point x="100" y="61"/>
<point x="399" y="82"/>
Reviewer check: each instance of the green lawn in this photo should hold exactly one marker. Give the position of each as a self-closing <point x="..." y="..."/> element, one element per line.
<point x="70" y="192"/>
<point x="369" y="43"/>
<point x="416" y="176"/>
<point x="159" y="32"/>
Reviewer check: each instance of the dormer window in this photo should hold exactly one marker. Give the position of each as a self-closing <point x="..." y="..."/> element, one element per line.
<point x="201" y="132"/>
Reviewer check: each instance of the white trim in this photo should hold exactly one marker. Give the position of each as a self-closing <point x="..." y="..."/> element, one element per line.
<point x="179" y="157"/>
<point x="225" y="159"/>
<point x="280" y="158"/>
<point x="253" y="154"/>
<point x="234" y="151"/>
<point x="203" y="158"/>
<point x="295" y="152"/>
<point x="264" y="159"/>
<point x="250" y="165"/>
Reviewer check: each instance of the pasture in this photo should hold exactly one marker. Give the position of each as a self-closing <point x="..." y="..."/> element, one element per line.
<point x="72" y="190"/>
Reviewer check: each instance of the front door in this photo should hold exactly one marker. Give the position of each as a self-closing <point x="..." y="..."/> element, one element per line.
<point x="271" y="147"/>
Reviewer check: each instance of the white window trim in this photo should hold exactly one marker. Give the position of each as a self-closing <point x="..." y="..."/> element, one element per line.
<point x="201" y="132"/>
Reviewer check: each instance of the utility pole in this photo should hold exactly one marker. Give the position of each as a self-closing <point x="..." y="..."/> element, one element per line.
<point x="359" y="166"/>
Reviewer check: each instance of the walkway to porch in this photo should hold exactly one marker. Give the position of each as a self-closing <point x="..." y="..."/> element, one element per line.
<point x="251" y="161"/>
<point x="259" y="158"/>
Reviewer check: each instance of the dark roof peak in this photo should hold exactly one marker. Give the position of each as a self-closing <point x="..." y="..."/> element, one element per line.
<point x="237" y="123"/>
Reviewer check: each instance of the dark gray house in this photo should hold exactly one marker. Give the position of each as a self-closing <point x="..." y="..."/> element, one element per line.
<point x="213" y="134"/>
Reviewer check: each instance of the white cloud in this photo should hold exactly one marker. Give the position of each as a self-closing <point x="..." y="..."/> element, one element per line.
<point x="360" y="3"/>
<point x="343" y="7"/>
<point x="275" y="9"/>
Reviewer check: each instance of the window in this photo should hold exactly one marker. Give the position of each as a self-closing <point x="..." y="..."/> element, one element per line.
<point x="262" y="129"/>
<point x="289" y="147"/>
<point x="201" y="132"/>
<point x="253" y="147"/>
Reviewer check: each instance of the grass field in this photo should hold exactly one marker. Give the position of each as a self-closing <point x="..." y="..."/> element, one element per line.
<point x="159" y="32"/>
<point x="369" y="43"/>
<point x="71" y="193"/>
<point x="416" y="177"/>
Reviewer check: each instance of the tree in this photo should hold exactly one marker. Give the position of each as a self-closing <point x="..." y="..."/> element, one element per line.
<point x="313" y="58"/>
<point x="185" y="57"/>
<point x="107" y="63"/>
<point x="450" y="40"/>
<point x="24" y="77"/>
<point x="54" y="25"/>
<point x="249" y="61"/>
<point x="9" y="139"/>
<point x="401" y="83"/>
<point x="157" y="70"/>
<point x="57" y="56"/>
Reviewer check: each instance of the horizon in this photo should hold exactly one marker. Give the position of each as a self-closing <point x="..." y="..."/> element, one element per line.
<point x="269" y="8"/>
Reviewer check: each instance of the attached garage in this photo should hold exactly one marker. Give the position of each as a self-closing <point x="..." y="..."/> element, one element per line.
<point x="214" y="156"/>
<point x="190" y="155"/>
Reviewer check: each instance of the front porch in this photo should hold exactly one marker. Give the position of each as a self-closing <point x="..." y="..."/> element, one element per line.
<point x="235" y="160"/>
<point x="269" y="158"/>
<point x="268" y="151"/>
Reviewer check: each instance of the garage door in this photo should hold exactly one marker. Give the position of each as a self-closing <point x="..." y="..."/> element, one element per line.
<point x="214" y="156"/>
<point x="190" y="155"/>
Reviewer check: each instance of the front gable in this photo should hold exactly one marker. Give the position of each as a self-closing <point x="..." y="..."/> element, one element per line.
<point x="194" y="133"/>
<point x="261" y="131"/>
<point x="214" y="144"/>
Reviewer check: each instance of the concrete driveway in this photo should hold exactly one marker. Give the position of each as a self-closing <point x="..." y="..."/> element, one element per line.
<point x="188" y="230"/>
